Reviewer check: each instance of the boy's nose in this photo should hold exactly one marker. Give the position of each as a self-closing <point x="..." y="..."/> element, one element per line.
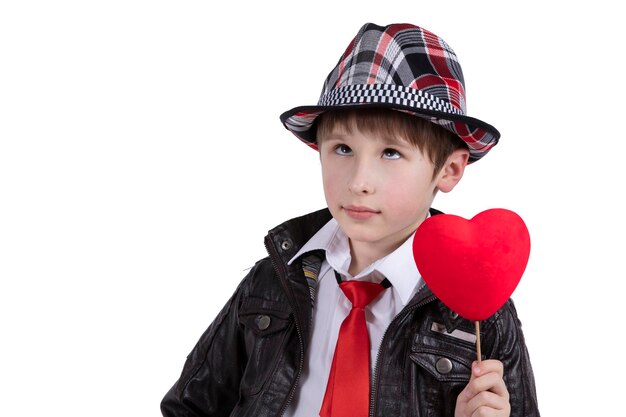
<point x="362" y="182"/>
<point x="361" y="188"/>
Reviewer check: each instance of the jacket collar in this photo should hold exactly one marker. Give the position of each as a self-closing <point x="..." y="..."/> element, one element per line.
<point x="290" y="236"/>
<point x="285" y="240"/>
<point x="282" y="243"/>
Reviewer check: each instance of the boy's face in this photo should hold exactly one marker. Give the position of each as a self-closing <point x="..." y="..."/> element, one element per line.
<point x="378" y="189"/>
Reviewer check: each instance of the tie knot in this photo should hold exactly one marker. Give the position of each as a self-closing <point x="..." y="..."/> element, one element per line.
<point x="361" y="293"/>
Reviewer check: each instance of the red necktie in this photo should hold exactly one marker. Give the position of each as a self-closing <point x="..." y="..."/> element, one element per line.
<point x="348" y="387"/>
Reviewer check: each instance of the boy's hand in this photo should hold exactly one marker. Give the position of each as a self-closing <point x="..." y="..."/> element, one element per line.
<point x="485" y="393"/>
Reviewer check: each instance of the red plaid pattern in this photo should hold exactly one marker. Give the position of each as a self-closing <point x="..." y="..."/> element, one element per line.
<point x="403" y="67"/>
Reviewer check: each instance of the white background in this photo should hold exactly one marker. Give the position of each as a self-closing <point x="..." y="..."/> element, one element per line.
<point x="142" y="161"/>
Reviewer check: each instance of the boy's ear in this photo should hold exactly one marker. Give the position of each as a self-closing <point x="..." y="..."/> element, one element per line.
<point x="452" y="170"/>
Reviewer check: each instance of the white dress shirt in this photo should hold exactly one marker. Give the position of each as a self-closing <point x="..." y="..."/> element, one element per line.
<point x="332" y="306"/>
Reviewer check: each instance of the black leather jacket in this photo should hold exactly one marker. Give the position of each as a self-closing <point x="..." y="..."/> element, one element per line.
<point x="248" y="362"/>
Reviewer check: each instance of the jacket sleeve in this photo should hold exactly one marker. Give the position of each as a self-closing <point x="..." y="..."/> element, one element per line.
<point x="209" y="383"/>
<point x="508" y="346"/>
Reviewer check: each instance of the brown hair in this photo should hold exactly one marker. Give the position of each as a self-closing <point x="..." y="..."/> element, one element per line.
<point x="435" y="141"/>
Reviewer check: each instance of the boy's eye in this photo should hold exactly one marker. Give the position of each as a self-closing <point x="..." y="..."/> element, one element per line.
<point x="391" y="154"/>
<point x="343" y="150"/>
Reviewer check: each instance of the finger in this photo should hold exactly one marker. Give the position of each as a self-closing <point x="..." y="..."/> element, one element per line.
<point x="488" y="401"/>
<point x="491" y="381"/>
<point x="487" y="366"/>
<point x="490" y="412"/>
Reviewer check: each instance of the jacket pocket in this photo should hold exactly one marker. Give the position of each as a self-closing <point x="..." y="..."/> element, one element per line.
<point x="266" y="325"/>
<point x="441" y="367"/>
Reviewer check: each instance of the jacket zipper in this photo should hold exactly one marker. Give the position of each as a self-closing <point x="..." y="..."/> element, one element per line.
<point x="272" y="253"/>
<point x="374" y="388"/>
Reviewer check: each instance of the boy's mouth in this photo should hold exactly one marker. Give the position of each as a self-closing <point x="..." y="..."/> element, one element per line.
<point x="360" y="212"/>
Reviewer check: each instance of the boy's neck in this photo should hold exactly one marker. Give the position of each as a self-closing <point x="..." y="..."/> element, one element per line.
<point x="363" y="254"/>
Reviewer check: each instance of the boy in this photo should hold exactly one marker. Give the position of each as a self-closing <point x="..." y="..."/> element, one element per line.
<point x="337" y="321"/>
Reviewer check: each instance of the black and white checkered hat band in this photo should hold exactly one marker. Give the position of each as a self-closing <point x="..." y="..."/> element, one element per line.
<point x="386" y="94"/>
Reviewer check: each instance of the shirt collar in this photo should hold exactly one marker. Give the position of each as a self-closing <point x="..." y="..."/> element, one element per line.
<point x="398" y="267"/>
<point x="324" y="239"/>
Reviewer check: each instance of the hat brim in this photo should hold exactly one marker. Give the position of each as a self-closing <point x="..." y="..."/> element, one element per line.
<point x="479" y="136"/>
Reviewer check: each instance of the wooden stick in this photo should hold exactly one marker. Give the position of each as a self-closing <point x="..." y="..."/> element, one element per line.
<point x="478" y="353"/>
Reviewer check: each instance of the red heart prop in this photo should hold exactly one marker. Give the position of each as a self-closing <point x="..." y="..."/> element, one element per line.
<point x="473" y="266"/>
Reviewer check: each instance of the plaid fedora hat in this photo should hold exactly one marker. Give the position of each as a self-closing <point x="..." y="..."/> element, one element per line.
<point x="401" y="67"/>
